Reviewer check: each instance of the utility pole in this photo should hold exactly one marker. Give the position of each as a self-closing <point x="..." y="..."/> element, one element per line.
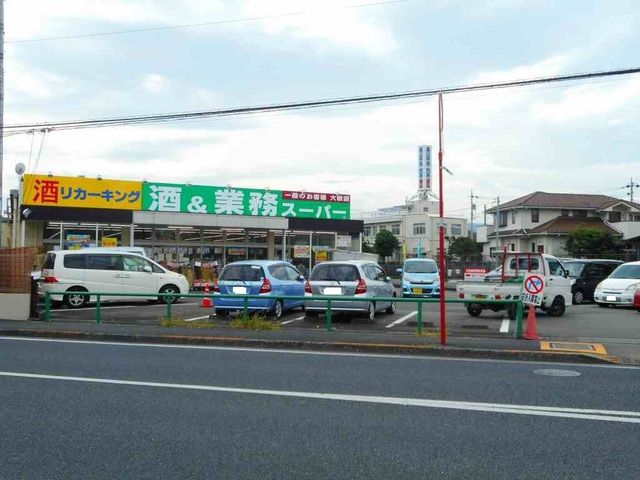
<point x="443" y="271"/>
<point x="1" y="111"/>
<point x="497" y="225"/>
<point x="631" y="186"/>
<point x="472" y="215"/>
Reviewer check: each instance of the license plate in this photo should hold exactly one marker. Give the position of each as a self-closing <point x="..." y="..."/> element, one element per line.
<point x="417" y="291"/>
<point x="240" y="290"/>
<point x="611" y="298"/>
<point x="480" y="296"/>
<point x="333" y="291"/>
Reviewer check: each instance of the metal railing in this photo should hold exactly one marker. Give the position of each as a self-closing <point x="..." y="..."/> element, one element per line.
<point x="245" y="303"/>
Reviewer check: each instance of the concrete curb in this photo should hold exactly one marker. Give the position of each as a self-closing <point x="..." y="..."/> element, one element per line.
<point x="424" y="350"/>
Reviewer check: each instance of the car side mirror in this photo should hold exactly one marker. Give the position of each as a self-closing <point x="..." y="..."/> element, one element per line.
<point x="387" y="279"/>
<point x="147" y="269"/>
<point x="300" y="278"/>
<point x="399" y="270"/>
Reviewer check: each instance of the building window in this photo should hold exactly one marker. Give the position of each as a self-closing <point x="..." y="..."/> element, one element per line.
<point x="634" y="217"/>
<point x="395" y="229"/>
<point x="564" y="213"/>
<point x="580" y="213"/>
<point x="513" y="216"/>
<point x="535" y="216"/>
<point x="366" y="231"/>
<point x="540" y="248"/>
<point x="615" y="217"/>
<point x="512" y="247"/>
<point x="374" y="231"/>
<point x="502" y="220"/>
<point x="419" y="228"/>
<point x="456" y="229"/>
<point x="533" y="246"/>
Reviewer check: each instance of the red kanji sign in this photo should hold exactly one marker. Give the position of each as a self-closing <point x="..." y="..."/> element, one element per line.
<point x="46" y="191"/>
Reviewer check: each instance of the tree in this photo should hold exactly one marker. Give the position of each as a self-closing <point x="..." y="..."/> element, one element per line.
<point x="592" y="241"/>
<point x="386" y="243"/>
<point x="465" y="249"/>
<point x="366" y="248"/>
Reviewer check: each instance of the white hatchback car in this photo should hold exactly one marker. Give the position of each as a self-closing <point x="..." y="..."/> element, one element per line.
<point x="620" y="287"/>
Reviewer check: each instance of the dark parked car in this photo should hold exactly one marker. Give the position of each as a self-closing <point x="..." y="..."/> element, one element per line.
<point x="587" y="275"/>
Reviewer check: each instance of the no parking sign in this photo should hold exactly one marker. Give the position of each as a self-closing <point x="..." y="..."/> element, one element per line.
<point x="533" y="290"/>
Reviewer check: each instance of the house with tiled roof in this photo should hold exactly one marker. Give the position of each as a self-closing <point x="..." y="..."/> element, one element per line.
<point x="541" y="221"/>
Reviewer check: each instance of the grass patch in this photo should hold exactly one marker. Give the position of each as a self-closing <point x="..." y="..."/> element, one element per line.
<point x="179" y="322"/>
<point x="427" y="333"/>
<point x="254" y="322"/>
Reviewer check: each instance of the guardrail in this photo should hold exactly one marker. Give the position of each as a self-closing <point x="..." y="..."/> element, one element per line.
<point x="245" y="307"/>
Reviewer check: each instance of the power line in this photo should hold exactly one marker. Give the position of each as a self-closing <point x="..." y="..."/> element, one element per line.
<point x="170" y="117"/>
<point x="196" y="25"/>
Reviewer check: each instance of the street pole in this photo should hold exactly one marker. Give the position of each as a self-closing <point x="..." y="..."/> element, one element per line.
<point x="498" y="225"/>
<point x="1" y="110"/>
<point x="443" y="273"/>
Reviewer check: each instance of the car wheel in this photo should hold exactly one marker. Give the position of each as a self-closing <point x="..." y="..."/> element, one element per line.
<point x="578" y="297"/>
<point x="222" y="313"/>
<point x="391" y="309"/>
<point x="371" y="313"/>
<point x="557" y="308"/>
<point x="474" y="310"/>
<point x="77" y="300"/>
<point x="277" y="310"/>
<point x="169" y="289"/>
<point x="602" y="305"/>
<point x="312" y="314"/>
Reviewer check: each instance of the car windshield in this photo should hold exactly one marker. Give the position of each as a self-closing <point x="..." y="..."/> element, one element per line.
<point x="523" y="263"/>
<point x="626" y="271"/>
<point x="244" y="273"/>
<point x="575" y="268"/>
<point x="423" y="266"/>
<point x="341" y="273"/>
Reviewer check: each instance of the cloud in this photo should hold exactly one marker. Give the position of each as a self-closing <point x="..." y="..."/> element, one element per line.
<point x="24" y="82"/>
<point x="155" y="83"/>
<point x="585" y="102"/>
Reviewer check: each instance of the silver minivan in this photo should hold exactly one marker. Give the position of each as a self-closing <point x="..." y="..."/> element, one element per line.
<point x="360" y="279"/>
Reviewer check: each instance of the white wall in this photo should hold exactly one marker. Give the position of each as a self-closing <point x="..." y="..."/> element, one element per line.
<point x="14" y="306"/>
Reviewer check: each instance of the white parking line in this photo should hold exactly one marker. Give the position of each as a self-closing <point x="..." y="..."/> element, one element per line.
<point x="504" y="328"/>
<point x="196" y="318"/>
<point x="401" y="319"/>
<point x="291" y="321"/>
<point x="558" y="412"/>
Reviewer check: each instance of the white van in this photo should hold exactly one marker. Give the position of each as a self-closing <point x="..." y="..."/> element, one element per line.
<point x="136" y="250"/>
<point x="95" y="270"/>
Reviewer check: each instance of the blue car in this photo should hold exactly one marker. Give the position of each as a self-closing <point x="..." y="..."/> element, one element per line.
<point x="420" y="278"/>
<point x="267" y="278"/>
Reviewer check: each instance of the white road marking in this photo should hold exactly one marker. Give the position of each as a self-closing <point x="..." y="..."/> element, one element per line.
<point x="504" y="328"/>
<point x="560" y="412"/>
<point x="401" y="319"/>
<point x="108" y="307"/>
<point x="196" y="318"/>
<point x="313" y="352"/>
<point x="290" y="321"/>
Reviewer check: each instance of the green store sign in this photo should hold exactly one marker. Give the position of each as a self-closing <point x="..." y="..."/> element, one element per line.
<point x="169" y="197"/>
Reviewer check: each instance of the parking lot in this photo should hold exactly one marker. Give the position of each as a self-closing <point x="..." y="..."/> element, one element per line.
<point x="584" y="322"/>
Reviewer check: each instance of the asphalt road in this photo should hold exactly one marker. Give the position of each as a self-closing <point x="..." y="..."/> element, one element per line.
<point x="90" y="410"/>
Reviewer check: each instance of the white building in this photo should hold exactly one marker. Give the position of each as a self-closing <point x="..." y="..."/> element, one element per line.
<point x="416" y="227"/>
<point x="541" y="222"/>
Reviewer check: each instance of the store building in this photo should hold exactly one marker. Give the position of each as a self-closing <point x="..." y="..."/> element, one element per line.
<point x="186" y="225"/>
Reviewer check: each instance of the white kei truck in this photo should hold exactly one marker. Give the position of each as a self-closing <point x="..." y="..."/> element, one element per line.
<point x="508" y="285"/>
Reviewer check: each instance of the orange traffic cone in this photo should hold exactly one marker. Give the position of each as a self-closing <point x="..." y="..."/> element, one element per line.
<point x="531" y="332"/>
<point x="206" y="301"/>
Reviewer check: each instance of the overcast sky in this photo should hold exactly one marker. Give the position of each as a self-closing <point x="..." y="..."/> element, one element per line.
<point x="581" y="138"/>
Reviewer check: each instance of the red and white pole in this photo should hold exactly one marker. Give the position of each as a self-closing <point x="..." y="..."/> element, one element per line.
<point x="443" y="272"/>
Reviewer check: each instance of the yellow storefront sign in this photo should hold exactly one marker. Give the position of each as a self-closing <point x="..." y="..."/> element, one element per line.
<point x="55" y="191"/>
<point x="109" y="242"/>
<point x="321" y="256"/>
